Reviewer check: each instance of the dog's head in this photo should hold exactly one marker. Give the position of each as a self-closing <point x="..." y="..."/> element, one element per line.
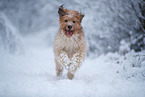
<point x="70" y="21"/>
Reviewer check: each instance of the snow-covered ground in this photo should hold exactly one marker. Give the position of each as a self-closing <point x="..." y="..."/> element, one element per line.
<point x="33" y="74"/>
<point x="27" y="67"/>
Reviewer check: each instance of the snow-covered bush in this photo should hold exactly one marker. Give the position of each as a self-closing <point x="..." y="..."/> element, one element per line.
<point x="138" y="43"/>
<point x="131" y="65"/>
<point x="131" y="21"/>
<point x="121" y="20"/>
<point x="124" y="47"/>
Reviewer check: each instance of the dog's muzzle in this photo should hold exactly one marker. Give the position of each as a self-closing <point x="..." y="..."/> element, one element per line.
<point x="69" y="32"/>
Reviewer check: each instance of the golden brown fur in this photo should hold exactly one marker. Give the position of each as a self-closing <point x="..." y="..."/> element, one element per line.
<point x="69" y="41"/>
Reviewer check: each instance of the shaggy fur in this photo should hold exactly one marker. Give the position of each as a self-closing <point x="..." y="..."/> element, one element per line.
<point x="69" y="45"/>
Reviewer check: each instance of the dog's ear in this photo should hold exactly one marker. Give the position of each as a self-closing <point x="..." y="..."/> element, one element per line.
<point x="82" y="15"/>
<point x="61" y="11"/>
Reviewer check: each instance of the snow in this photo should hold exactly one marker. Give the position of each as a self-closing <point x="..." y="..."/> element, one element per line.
<point x="124" y="47"/>
<point x="27" y="67"/>
<point x="33" y="74"/>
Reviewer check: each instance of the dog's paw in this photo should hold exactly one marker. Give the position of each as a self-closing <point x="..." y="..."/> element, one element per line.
<point x="70" y="75"/>
<point x="58" y="73"/>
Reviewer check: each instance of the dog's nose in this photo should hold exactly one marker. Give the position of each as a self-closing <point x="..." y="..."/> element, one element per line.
<point x="69" y="27"/>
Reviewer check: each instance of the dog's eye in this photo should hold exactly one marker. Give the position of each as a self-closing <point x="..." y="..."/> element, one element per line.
<point x="66" y="20"/>
<point x="74" y="21"/>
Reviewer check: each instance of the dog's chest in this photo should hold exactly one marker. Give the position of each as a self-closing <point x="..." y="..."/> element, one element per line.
<point x="70" y="48"/>
<point x="69" y="45"/>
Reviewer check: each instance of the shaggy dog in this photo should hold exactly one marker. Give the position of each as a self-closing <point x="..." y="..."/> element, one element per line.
<point x="69" y="45"/>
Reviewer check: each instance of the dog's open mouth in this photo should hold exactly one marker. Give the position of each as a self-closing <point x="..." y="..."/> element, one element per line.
<point x="69" y="32"/>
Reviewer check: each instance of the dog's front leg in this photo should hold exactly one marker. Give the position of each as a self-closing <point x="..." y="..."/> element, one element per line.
<point x="77" y="60"/>
<point x="64" y="60"/>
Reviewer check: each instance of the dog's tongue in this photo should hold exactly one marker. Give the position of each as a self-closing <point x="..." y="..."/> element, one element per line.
<point x="69" y="33"/>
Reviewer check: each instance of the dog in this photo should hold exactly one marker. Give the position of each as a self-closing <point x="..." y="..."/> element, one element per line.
<point x="69" y="44"/>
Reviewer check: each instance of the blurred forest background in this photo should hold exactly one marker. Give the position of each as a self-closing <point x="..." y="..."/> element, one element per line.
<point x="109" y="25"/>
<point x="115" y="63"/>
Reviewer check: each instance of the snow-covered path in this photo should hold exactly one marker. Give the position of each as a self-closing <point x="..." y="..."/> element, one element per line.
<point x="33" y="75"/>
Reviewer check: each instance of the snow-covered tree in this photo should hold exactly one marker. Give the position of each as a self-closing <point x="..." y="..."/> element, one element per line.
<point x="9" y="38"/>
